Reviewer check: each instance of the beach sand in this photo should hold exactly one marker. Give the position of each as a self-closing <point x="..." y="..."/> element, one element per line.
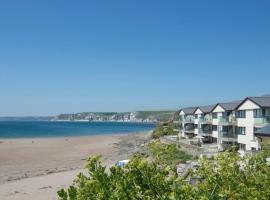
<point x="37" y="168"/>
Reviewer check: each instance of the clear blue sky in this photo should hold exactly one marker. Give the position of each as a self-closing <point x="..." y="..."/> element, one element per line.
<point x="72" y="56"/>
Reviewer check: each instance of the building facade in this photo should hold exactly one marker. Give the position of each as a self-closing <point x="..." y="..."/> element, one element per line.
<point x="227" y="123"/>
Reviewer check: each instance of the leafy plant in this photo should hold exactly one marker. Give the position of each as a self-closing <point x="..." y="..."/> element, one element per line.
<point x="163" y="129"/>
<point x="168" y="154"/>
<point x="227" y="177"/>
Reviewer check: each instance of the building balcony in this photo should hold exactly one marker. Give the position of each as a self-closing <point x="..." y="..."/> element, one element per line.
<point x="205" y="132"/>
<point x="189" y="130"/>
<point x="188" y="121"/>
<point x="262" y="121"/>
<point x="228" y="120"/>
<point x="205" y="120"/>
<point x="228" y="136"/>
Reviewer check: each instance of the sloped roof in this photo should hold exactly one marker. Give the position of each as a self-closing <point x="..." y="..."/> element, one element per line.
<point x="206" y="109"/>
<point x="265" y="131"/>
<point x="228" y="106"/>
<point x="263" y="101"/>
<point x="189" y="111"/>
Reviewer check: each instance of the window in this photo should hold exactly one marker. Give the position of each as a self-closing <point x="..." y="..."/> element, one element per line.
<point x="196" y="116"/>
<point x="257" y="113"/>
<point x="241" y="130"/>
<point x="255" y="129"/>
<point x="214" y="127"/>
<point x="242" y="146"/>
<point x="225" y="128"/>
<point x="226" y="114"/>
<point x="196" y="126"/>
<point x="214" y="115"/>
<point x="240" y="114"/>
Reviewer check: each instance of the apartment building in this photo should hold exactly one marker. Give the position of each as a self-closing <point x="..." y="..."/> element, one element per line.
<point x="252" y="114"/>
<point x="187" y="122"/>
<point x="227" y="123"/>
<point x="203" y="123"/>
<point x="224" y="123"/>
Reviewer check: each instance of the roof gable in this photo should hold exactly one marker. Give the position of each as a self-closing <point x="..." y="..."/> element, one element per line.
<point x="189" y="111"/>
<point x="207" y="109"/>
<point x="248" y="104"/>
<point x="226" y="106"/>
<point x="218" y="108"/>
<point x="198" y="111"/>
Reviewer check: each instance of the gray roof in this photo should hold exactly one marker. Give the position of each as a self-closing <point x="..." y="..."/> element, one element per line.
<point x="206" y="109"/>
<point x="263" y="101"/>
<point x="265" y="131"/>
<point x="189" y="111"/>
<point x="230" y="105"/>
<point x="267" y="95"/>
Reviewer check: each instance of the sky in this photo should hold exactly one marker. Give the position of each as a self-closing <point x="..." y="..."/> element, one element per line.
<point x="66" y="56"/>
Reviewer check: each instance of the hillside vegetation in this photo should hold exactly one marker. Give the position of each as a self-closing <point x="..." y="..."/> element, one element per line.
<point x="228" y="177"/>
<point x="148" y="116"/>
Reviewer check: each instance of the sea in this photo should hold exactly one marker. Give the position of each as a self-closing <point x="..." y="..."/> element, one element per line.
<point x="43" y="129"/>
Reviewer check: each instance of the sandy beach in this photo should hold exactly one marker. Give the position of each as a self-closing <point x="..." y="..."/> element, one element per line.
<point x="37" y="168"/>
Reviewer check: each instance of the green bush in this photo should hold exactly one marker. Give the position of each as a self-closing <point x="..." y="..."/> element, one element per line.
<point x="163" y="129"/>
<point x="228" y="176"/>
<point x="138" y="180"/>
<point x="168" y="154"/>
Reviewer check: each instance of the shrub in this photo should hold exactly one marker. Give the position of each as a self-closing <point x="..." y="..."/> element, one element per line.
<point x="227" y="177"/>
<point x="162" y="130"/>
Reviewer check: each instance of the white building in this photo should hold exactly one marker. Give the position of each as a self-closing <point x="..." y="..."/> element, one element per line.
<point x="227" y="123"/>
<point x="224" y="123"/>
<point x="252" y="114"/>
<point x="187" y="122"/>
<point x="203" y="122"/>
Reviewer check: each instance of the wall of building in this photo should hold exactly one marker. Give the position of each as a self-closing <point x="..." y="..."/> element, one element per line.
<point x="248" y="123"/>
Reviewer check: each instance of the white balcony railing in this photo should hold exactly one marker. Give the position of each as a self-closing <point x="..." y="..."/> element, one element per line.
<point x="262" y="120"/>
<point x="227" y="136"/>
<point x="205" y="120"/>
<point x="227" y="120"/>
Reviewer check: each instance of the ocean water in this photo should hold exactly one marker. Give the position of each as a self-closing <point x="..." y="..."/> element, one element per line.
<point x="38" y="129"/>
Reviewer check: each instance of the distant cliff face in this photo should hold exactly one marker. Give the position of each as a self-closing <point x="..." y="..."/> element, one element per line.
<point x="138" y="116"/>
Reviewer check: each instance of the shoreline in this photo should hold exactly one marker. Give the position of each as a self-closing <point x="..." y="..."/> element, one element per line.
<point x="74" y="136"/>
<point x="24" y="160"/>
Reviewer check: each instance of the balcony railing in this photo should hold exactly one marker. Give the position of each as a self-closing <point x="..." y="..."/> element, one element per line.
<point x="262" y="120"/>
<point x="205" y="132"/>
<point x="189" y="129"/>
<point x="205" y="120"/>
<point x="227" y="120"/>
<point x="188" y="120"/>
<point x="228" y="136"/>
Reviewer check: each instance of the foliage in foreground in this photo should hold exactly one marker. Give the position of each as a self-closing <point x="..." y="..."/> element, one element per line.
<point x="163" y="129"/>
<point x="226" y="177"/>
<point x="168" y="154"/>
<point x="138" y="180"/>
